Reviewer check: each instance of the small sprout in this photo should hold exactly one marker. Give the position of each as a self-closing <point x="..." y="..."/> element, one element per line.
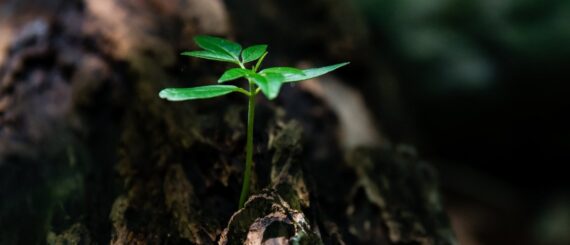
<point x="268" y="81"/>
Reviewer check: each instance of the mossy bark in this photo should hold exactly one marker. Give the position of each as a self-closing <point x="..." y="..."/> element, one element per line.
<point x="90" y="154"/>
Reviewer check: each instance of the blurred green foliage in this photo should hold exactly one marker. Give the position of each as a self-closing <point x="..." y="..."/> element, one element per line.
<point x="459" y="43"/>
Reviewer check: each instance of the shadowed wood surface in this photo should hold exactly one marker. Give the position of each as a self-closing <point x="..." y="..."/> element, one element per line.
<point x="107" y="161"/>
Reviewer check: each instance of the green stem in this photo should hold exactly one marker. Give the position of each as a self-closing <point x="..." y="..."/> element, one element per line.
<point x="249" y="146"/>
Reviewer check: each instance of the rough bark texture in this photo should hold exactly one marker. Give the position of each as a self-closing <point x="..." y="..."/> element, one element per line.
<point x="106" y="161"/>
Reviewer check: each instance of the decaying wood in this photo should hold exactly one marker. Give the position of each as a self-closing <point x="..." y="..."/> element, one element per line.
<point x="109" y="162"/>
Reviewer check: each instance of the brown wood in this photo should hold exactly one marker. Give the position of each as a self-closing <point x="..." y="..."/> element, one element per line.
<point x="104" y="160"/>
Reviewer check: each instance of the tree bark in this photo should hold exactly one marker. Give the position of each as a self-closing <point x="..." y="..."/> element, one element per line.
<point x="90" y="154"/>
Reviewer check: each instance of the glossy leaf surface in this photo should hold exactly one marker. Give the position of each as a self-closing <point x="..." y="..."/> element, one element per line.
<point x="219" y="45"/>
<point x="285" y="71"/>
<point x="203" y="92"/>
<point x="209" y="55"/>
<point x="313" y="72"/>
<point x="253" y="53"/>
<point x="261" y="82"/>
<point x="274" y="82"/>
<point x="233" y="74"/>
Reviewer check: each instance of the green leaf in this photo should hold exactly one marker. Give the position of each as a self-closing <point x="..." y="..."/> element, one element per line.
<point x="253" y="53"/>
<point x="209" y="55"/>
<point x="203" y="92"/>
<point x="285" y="71"/>
<point x="233" y="74"/>
<point x="219" y="45"/>
<point x="261" y="82"/>
<point x="313" y="72"/>
<point x="269" y="83"/>
<point x="274" y="80"/>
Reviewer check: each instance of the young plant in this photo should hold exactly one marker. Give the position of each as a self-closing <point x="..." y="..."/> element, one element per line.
<point x="268" y="81"/>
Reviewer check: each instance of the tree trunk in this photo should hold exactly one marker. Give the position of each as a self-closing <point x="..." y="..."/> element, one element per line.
<point x="90" y="154"/>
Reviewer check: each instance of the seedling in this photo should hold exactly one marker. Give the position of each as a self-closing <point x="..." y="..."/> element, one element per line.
<point x="268" y="81"/>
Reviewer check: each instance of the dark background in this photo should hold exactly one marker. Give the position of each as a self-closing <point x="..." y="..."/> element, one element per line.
<point x="478" y="87"/>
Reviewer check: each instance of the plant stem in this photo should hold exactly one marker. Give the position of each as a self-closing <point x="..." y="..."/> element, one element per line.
<point x="249" y="146"/>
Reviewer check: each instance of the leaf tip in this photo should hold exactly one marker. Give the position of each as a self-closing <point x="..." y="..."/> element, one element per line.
<point x="163" y="94"/>
<point x="339" y="65"/>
